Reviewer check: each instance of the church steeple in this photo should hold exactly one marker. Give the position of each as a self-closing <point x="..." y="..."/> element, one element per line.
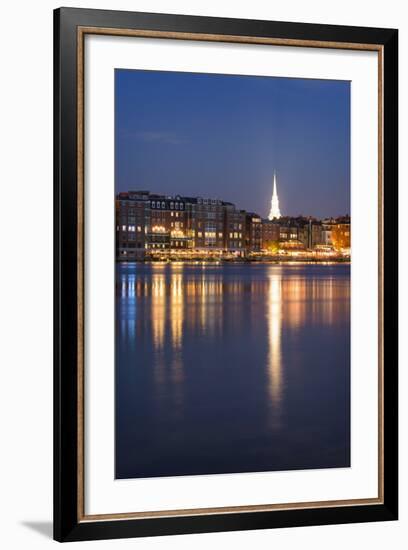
<point x="274" y="212"/>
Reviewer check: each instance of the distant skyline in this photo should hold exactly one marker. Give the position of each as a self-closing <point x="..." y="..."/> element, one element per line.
<point x="223" y="136"/>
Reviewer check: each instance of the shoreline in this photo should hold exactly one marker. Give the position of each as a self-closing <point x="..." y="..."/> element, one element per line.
<point x="276" y="261"/>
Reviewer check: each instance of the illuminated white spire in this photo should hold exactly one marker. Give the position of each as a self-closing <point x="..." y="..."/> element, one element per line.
<point x="275" y="212"/>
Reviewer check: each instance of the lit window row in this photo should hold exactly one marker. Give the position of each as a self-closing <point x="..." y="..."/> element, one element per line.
<point x="129" y="228"/>
<point x="162" y="205"/>
<point x="157" y="204"/>
<point x="208" y="201"/>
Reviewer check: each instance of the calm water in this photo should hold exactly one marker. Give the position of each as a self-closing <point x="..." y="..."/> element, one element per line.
<point x="232" y="368"/>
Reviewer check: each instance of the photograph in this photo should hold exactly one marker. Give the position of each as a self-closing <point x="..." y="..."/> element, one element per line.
<point x="232" y="273"/>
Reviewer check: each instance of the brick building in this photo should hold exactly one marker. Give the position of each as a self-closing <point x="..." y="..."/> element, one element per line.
<point x="152" y="224"/>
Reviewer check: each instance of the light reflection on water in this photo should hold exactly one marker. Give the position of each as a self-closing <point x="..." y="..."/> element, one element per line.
<point x="274" y="320"/>
<point x="231" y="368"/>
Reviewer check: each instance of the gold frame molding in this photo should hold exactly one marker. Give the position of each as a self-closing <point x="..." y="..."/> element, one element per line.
<point x="81" y="33"/>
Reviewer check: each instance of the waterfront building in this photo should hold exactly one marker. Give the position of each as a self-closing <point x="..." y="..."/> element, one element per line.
<point x="158" y="226"/>
<point x="336" y="232"/>
<point x="327" y="226"/>
<point x="179" y="224"/>
<point x="132" y="217"/>
<point x="234" y="229"/>
<point x="207" y="224"/>
<point x="340" y="234"/>
<point x="293" y="233"/>
<point x="154" y="225"/>
<point x="253" y="232"/>
<point x="269" y="235"/>
<point x="315" y="234"/>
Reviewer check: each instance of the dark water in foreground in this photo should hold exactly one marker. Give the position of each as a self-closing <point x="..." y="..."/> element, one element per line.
<point x="232" y="368"/>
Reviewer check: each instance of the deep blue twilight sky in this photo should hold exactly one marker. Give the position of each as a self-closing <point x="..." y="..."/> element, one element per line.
<point x="222" y="136"/>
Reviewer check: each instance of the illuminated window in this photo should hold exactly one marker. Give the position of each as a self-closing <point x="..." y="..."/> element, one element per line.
<point x="220" y="235"/>
<point x="123" y="227"/>
<point x="139" y="228"/>
<point x="199" y="234"/>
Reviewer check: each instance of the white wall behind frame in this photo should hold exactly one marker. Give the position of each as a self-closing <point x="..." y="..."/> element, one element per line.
<point x="26" y="392"/>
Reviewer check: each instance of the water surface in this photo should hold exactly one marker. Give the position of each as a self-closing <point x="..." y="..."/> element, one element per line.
<point x="231" y="368"/>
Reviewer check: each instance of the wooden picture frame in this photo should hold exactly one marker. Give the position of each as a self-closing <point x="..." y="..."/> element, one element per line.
<point x="70" y="27"/>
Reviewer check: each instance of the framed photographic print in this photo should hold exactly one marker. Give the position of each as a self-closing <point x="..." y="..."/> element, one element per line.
<point x="225" y="274"/>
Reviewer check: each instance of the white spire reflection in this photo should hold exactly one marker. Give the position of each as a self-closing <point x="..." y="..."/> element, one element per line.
<point x="274" y="320"/>
<point x="176" y="325"/>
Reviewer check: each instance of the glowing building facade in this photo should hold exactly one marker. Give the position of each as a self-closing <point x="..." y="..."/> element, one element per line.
<point x="153" y="225"/>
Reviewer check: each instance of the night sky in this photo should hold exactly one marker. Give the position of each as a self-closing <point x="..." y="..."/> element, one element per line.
<point x="222" y="136"/>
